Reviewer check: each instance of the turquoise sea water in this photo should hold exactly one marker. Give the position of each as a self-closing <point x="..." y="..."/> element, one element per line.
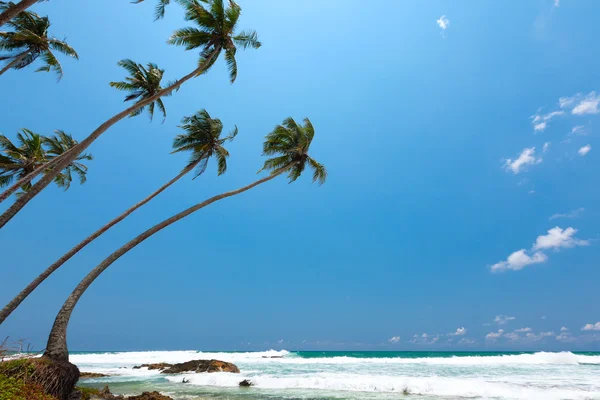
<point x="282" y="375"/>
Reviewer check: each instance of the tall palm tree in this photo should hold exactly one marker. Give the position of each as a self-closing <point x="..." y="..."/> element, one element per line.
<point x="288" y="144"/>
<point x="143" y="83"/>
<point x="9" y="10"/>
<point x="216" y="33"/>
<point x="58" y="145"/>
<point x="34" y="153"/>
<point x="201" y="137"/>
<point x="20" y="159"/>
<point x="159" y="11"/>
<point x="30" y="41"/>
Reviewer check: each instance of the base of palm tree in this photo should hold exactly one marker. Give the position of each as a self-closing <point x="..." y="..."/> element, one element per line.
<point x="53" y="378"/>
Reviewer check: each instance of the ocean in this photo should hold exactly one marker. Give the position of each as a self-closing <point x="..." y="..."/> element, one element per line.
<point x="356" y="375"/>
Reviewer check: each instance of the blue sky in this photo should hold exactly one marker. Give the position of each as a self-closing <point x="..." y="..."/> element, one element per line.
<point x="438" y="211"/>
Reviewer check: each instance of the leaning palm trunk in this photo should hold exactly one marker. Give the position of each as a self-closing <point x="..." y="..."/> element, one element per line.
<point x="13" y="11"/>
<point x="10" y="307"/>
<point x="13" y="62"/>
<point x="56" y="348"/>
<point x="84" y="144"/>
<point x="29" y="177"/>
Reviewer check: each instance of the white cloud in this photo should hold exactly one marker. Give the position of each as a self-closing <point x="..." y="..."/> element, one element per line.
<point x="511" y="336"/>
<point x="546" y="146"/>
<point x="494" y="335"/>
<point x="544" y="317"/>
<point x="558" y="238"/>
<point x="443" y="22"/>
<point x="527" y="157"/>
<point x="424" y="336"/>
<point x="394" y="339"/>
<point x="540" y="122"/>
<point x="466" y="341"/>
<point x="519" y="260"/>
<point x="581" y="105"/>
<point x="565" y="337"/>
<point x="578" y="130"/>
<point x="460" y="332"/>
<point x="503" y="319"/>
<point x="584" y="150"/>
<point x="556" y="3"/>
<point x="591" y="327"/>
<point x="571" y="214"/>
<point x="523" y="330"/>
<point x="564" y="329"/>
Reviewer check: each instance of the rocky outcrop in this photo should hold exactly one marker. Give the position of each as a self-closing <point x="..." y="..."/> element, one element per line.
<point x="199" y="366"/>
<point x="84" y="375"/>
<point x="159" y="366"/>
<point x="105" y="394"/>
<point x="246" y="383"/>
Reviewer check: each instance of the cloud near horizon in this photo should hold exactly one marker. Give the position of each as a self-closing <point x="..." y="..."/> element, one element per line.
<point x="591" y="327"/>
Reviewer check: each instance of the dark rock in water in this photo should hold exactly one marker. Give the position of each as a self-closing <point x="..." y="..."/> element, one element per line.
<point x="154" y="366"/>
<point x="272" y="357"/>
<point x="105" y="394"/>
<point x="246" y="383"/>
<point x="150" y="396"/>
<point x="84" y="375"/>
<point x="202" y="366"/>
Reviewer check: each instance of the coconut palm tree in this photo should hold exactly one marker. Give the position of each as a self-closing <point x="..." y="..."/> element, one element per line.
<point x="22" y="158"/>
<point x="143" y="83"/>
<point x="58" y="145"/>
<point x="36" y="154"/>
<point x="30" y="41"/>
<point x="202" y="138"/>
<point x="216" y="33"/>
<point x="288" y="145"/>
<point x="159" y="11"/>
<point x="9" y="10"/>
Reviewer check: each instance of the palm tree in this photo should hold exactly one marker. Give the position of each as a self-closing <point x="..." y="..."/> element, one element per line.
<point x="143" y="83"/>
<point x="216" y="32"/>
<point x="20" y="159"/>
<point x="30" y="41"/>
<point x="288" y="143"/>
<point x="35" y="154"/>
<point x="10" y="10"/>
<point x="59" y="145"/>
<point x="159" y="11"/>
<point x="201" y="137"/>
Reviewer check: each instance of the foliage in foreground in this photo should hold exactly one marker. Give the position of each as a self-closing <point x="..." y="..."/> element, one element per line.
<point x="16" y="387"/>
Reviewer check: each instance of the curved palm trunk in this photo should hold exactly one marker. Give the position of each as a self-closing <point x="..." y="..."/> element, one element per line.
<point x="56" y="349"/>
<point x="29" y="177"/>
<point x="13" y="62"/>
<point x="84" y="144"/>
<point x="16" y="9"/>
<point x="10" y="307"/>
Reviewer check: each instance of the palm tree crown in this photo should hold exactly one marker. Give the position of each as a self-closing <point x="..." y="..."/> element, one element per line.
<point x="159" y="11"/>
<point x="33" y="151"/>
<point x="289" y="143"/>
<point x="58" y="145"/>
<point x="143" y="83"/>
<point x="22" y="159"/>
<point x="29" y="41"/>
<point x="203" y="138"/>
<point x="215" y="32"/>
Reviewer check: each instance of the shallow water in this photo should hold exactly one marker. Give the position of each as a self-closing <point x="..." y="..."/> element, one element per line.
<point x="357" y="375"/>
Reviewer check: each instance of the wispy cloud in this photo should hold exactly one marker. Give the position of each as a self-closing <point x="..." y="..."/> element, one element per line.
<point x="571" y="214"/>
<point x="584" y="150"/>
<point x="580" y="104"/>
<point x="546" y="146"/>
<point x="494" y="335"/>
<point x="503" y="319"/>
<point x="394" y="339"/>
<point x="460" y="332"/>
<point x="556" y="3"/>
<point x="591" y="327"/>
<point x="578" y="130"/>
<point x="527" y="157"/>
<point x="523" y="330"/>
<point x="540" y="121"/>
